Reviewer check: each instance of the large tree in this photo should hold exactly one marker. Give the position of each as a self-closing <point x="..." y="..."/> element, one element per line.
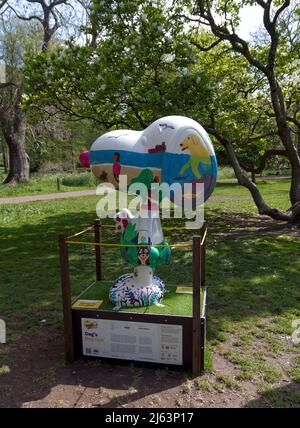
<point x="146" y="58"/>
<point x="222" y="17"/>
<point x="35" y="22"/>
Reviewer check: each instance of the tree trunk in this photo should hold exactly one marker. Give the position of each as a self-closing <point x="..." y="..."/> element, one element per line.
<point x="18" y="158"/>
<point x="285" y="136"/>
<point x="253" y="178"/>
<point x="292" y="215"/>
<point x="18" y="163"/>
<point x="5" y="159"/>
<point x="206" y="9"/>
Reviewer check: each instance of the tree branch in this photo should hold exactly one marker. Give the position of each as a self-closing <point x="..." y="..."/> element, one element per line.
<point x="222" y="32"/>
<point x="3" y="3"/>
<point x="279" y="11"/>
<point x="262" y="161"/>
<point x="206" y="48"/>
<point x="25" y="18"/>
<point x="243" y="180"/>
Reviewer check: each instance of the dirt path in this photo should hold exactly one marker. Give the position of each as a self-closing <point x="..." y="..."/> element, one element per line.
<point x="51" y="196"/>
<point x="78" y="193"/>
<point x="36" y="376"/>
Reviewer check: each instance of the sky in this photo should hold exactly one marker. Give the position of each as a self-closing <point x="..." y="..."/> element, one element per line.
<point x="251" y="20"/>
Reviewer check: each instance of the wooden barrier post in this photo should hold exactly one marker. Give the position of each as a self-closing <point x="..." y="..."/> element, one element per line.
<point x="196" y="305"/>
<point x="97" y="227"/>
<point x="66" y="297"/>
<point x="203" y="254"/>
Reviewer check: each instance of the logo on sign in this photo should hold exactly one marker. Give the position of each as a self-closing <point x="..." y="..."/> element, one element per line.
<point x="90" y="324"/>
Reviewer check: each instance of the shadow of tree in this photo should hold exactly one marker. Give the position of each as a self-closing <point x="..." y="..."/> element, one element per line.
<point x="248" y="276"/>
<point x="286" y="396"/>
<point x="38" y="374"/>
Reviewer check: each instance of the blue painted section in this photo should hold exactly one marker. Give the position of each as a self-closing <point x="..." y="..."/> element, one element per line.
<point x="169" y="163"/>
<point x="141" y="160"/>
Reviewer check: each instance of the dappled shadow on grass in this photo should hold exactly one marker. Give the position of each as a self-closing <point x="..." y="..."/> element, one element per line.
<point x="285" y="396"/>
<point x="243" y="224"/>
<point x="253" y="275"/>
<point x="248" y="277"/>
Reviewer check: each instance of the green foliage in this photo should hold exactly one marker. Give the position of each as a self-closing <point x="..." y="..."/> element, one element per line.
<point x="78" y="180"/>
<point x="54" y="145"/>
<point x="147" y="63"/>
<point x="134" y="72"/>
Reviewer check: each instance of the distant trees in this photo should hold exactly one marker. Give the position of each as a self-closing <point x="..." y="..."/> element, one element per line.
<point x="143" y="59"/>
<point x="26" y="26"/>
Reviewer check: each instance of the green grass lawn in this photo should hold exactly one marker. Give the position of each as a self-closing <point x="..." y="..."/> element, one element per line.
<point x="253" y="295"/>
<point x="47" y="183"/>
<point x="274" y="191"/>
<point x="173" y="303"/>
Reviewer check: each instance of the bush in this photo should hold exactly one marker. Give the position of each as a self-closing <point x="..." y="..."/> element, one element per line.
<point x="225" y="172"/>
<point x="55" y="167"/>
<point x="78" y="179"/>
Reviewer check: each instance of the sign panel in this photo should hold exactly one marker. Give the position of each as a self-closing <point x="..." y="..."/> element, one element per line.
<point x="130" y="340"/>
<point x="87" y="304"/>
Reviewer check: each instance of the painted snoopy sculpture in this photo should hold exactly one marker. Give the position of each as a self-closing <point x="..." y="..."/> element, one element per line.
<point x="173" y="149"/>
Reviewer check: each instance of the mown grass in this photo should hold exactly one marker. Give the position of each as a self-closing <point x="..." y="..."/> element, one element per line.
<point x="47" y="183"/>
<point x="173" y="304"/>
<point x="253" y="296"/>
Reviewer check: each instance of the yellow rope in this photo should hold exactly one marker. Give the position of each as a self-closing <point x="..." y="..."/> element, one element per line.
<point x="107" y="244"/>
<point x="177" y="228"/>
<point x="204" y="237"/>
<point x="80" y="233"/>
<point x="111" y="226"/>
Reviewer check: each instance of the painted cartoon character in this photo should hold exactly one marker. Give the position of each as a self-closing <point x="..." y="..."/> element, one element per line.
<point x="199" y="154"/>
<point x="157" y="148"/>
<point x="116" y="166"/>
<point x="144" y="256"/>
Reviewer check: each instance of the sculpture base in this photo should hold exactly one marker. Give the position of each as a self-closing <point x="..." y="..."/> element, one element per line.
<point x="140" y="288"/>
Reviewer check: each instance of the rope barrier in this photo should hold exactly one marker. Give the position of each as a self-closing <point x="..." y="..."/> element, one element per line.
<point x="108" y="244"/>
<point x="111" y="226"/>
<point x="81" y="233"/>
<point x="204" y="237"/>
